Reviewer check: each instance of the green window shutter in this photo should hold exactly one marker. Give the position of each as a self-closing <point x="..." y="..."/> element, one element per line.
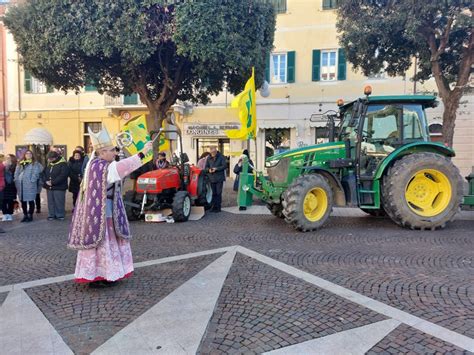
<point x="341" y="64"/>
<point x="290" y="67"/>
<point x="327" y="4"/>
<point x="267" y="68"/>
<point x="316" y="70"/>
<point x="27" y="83"/>
<point x="130" y="99"/>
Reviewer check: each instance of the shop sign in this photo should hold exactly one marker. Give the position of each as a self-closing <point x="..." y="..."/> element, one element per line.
<point x="208" y="129"/>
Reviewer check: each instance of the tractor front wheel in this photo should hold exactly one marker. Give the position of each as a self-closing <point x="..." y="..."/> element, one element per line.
<point x="422" y="191"/>
<point x="308" y="202"/>
<point x="276" y="209"/>
<point x="133" y="213"/>
<point x="181" y="206"/>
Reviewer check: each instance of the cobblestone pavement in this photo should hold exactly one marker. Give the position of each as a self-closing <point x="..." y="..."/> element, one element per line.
<point x="261" y="309"/>
<point x="86" y="318"/>
<point x="406" y="340"/>
<point x="426" y="274"/>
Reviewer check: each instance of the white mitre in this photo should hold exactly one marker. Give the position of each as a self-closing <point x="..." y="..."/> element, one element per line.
<point x="101" y="139"/>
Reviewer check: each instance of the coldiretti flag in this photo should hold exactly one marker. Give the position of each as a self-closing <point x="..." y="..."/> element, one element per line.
<point x="139" y="132"/>
<point x="245" y="102"/>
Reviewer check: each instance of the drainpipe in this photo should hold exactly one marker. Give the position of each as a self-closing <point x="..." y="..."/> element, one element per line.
<point x="4" y="96"/>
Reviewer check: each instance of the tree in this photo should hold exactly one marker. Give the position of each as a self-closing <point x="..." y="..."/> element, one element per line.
<point x="163" y="50"/>
<point x="388" y="34"/>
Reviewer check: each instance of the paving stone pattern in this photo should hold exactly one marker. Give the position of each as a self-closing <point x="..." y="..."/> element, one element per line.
<point x="407" y="340"/>
<point x="86" y="318"/>
<point x="3" y="296"/>
<point x="428" y="274"/>
<point x="261" y="309"/>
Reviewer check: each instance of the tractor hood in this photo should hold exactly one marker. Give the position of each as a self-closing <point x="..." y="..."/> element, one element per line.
<point x="324" y="147"/>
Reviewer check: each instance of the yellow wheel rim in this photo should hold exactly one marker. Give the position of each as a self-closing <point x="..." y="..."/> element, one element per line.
<point x="315" y="204"/>
<point x="428" y="192"/>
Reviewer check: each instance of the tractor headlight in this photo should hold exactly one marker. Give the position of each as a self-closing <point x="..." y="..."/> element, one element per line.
<point x="271" y="163"/>
<point x="147" y="180"/>
<point x="246" y="188"/>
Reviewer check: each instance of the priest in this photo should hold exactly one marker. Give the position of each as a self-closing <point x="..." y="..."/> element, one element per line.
<point x="99" y="229"/>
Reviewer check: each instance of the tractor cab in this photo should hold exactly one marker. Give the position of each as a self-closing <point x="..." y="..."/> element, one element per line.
<point x="375" y="128"/>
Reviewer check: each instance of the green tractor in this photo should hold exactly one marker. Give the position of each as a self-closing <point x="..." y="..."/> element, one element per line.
<point x="378" y="158"/>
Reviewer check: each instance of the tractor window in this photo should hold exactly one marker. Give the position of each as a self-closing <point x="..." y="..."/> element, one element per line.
<point x="379" y="137"/>
<point x="381" y="123"/>
<point x="413" y="123"/>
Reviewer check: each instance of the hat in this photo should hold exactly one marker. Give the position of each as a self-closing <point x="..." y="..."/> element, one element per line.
<point x="101" y="139"/>
<point x="52" y="155"/>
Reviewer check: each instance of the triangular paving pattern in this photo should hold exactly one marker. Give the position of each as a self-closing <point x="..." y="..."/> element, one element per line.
<point x="86" y="318"/>
<point x="261" y="309"/>
<point x="407" y="340"/>
<point x="3" y="296"/>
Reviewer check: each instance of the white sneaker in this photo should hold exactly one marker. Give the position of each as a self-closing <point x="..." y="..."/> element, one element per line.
<point x="4" y="218"/>
<point x="10" y="217"/>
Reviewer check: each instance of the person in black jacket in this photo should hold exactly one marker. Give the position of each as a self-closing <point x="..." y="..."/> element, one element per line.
<point x="75" y="174"/>
<point x="55" y="182"/>
<point x="238" y="168"/>
<point x="215" y="167"/>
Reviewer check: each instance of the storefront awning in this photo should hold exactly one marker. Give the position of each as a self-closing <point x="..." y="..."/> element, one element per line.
<point x="38" y="136"/>
<point x="275" y="124"/>
<point x="318" y="124"/>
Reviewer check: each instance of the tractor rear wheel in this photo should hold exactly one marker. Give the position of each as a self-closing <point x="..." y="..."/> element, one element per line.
<point x="308" y="202"/>
<point x="133" y="213"/>
<point x="204" y="192"/>
<point x="422" y="191"/>
<point x="181" y="206"/>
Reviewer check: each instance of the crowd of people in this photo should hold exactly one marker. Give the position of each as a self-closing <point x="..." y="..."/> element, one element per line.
<point x="22" y="180"/>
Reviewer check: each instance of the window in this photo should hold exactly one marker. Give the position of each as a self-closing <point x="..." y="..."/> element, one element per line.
<point x="278" y="68"/>
<point x="280" y="6"/>
<point x="34" y="86"/>
<point x="95" y="127"/>
<point x="328" y="65"/>
<point x="413" y="127"/>
<point x="90" y="87"/>
<point x="277" y="140"/>
<point x="130" y="99"/>
<point x="329" y="4"/>
<point x="322" y="135"/>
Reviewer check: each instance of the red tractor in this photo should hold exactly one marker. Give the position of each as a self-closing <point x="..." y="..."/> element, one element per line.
<point x="178" y="187"/>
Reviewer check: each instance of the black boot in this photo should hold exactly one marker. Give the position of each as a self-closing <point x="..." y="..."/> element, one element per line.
<point x="25" y="218"/>
<point x="30" y="218"/>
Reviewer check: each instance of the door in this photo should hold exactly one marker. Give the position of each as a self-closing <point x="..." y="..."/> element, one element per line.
<point x="222" y="144"/>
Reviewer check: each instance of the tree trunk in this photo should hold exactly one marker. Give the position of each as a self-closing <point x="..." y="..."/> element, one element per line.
<point x="451" y="104"/>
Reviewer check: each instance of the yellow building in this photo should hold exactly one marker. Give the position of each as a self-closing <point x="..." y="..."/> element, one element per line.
<point x="307" y="72"/>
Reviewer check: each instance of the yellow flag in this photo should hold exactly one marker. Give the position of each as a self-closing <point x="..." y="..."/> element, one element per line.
<point x="246" y="104"/>
<point x="136" y="127"/>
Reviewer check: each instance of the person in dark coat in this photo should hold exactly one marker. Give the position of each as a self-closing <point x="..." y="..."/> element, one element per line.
<point x="238" y="168"/>
<point x="9" y="193"/>
<point x="55" y="177"/>
<point x="75" y="174"/>
<point x="161" y="162"/>
<point x="27" y="174"/>
<point x="215" y="168"/>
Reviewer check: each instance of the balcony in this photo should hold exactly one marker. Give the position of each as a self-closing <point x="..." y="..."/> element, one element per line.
<point x="122" y="101"/>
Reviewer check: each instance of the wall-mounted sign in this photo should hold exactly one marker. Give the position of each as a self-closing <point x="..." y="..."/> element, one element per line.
<point x="125" y="115"/>
<point x="207" y="130"/>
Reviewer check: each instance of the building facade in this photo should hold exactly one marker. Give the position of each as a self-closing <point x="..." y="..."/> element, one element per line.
<point x="307" y="72"/>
